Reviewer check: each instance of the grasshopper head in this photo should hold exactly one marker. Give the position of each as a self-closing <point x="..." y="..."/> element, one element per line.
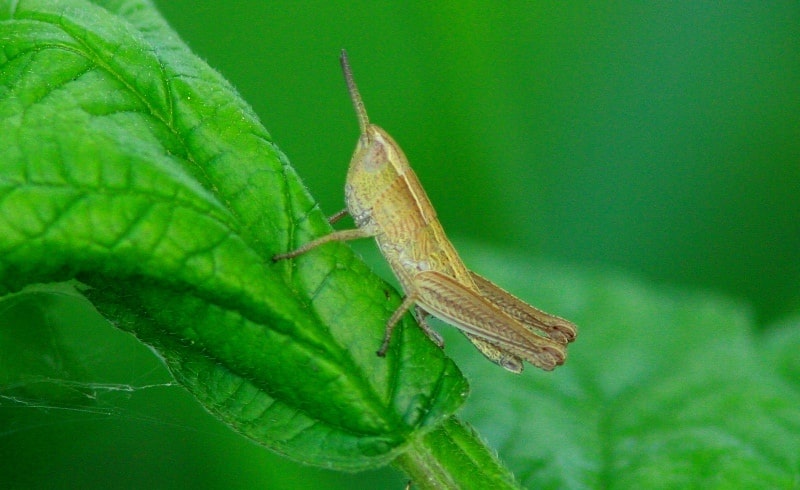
<point x="376" y="163"/>
<point x="375" y="167"/>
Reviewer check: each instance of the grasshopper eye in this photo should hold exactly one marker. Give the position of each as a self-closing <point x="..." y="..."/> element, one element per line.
<point x="375" y="156"/>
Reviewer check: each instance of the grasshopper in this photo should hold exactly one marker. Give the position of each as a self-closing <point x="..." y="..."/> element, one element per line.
<point x="387" y="202"/>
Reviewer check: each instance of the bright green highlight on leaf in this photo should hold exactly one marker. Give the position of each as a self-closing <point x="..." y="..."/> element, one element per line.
<point x="130" y="165"/>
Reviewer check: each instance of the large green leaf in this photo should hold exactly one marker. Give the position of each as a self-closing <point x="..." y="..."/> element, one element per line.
<point x="130" y="165"/>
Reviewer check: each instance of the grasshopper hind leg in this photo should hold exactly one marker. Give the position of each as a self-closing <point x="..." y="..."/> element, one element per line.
<point x="421" y="317"/>
<point x="401" y="310"/>
<point x="502" y="358"/>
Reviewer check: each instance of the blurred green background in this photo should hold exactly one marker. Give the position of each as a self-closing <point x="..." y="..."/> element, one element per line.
<point x="663" y="139"/>
<point x="660" y="139"/>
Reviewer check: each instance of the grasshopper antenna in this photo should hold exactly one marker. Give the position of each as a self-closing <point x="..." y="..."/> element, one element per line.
<point x="355" y="96"/>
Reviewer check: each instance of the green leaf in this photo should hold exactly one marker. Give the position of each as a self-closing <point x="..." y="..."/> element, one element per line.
<point x="130" y="165"/>
<point x="453" y="456"/>
<point x="662" y="389"/>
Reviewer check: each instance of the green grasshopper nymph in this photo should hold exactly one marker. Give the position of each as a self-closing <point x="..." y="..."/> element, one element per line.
<point x="387" y="202"/>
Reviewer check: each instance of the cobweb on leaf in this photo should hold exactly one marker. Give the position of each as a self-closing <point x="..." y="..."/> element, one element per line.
<point x="62" y="363"/>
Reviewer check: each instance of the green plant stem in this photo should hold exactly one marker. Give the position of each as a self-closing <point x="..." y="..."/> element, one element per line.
<point x="453" y="456"/>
